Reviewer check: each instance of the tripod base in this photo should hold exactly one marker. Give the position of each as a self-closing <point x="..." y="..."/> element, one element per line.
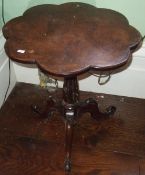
<point x="72" y="109"/>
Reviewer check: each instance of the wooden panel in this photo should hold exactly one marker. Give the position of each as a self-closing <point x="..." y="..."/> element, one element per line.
<point x="33" y="146"/>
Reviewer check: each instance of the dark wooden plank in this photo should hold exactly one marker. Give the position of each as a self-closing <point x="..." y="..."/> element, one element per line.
<point x="30" y="145"/>
<point x="142" y="167"/>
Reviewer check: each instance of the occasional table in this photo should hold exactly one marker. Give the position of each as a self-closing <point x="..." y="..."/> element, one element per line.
<point x="68" y="40"/>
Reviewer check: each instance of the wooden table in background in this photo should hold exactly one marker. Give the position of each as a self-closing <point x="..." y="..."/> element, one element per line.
<point x="67" y="40"/>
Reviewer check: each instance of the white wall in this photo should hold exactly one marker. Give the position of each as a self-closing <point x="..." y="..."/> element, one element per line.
<point x="4" y="72"/>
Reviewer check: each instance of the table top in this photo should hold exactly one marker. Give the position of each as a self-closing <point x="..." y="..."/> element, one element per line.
<point x="71" y="38"/>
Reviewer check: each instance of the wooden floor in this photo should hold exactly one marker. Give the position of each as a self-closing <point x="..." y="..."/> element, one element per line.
<point x="30" y="145"/>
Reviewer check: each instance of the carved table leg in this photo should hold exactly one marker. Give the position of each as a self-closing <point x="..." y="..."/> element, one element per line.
<point x="70" y="97"/>
<point x="72" y="108"/>
<point x="51" y="106"/>
<point x="91" y="105"/>
<point x="68" y="138"/>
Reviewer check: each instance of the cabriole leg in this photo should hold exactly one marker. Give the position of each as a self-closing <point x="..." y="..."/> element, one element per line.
<point x="70" y="97"/>
<point x="68" y="137"/>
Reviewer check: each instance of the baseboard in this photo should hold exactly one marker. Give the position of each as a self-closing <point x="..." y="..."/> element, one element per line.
<point x="4" y="72"/>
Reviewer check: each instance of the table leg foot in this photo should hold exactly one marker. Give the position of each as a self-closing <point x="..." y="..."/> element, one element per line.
<point x="91" y="106"/>
<point x="37" y="110"/>
<point x="67" y="166"/>
<point x="110" y="110"/>
<point x="51" y="107"/>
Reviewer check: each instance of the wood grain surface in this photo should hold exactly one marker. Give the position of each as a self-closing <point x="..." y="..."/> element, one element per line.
<point x="71" y="38"/>
<point x="30" y="145"/>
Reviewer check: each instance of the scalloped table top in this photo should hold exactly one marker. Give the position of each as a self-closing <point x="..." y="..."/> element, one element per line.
<point x="71" y="38"/>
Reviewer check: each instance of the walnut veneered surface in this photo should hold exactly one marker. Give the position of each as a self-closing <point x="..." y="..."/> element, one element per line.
<point x="70" y="38"/>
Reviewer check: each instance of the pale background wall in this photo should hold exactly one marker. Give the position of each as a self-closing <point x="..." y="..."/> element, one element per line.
<point x="4" y="72"/>
<point x="134" y="10"/>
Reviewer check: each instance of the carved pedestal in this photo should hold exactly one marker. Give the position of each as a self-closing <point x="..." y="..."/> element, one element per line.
<point x="71" y="109"/>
